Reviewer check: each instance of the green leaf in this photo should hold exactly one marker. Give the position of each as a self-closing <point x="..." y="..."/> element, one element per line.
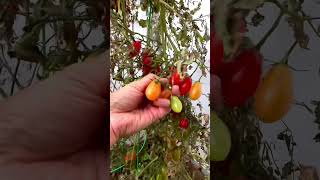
<point x="143" y="23"/>
<point x="248" y="4"/>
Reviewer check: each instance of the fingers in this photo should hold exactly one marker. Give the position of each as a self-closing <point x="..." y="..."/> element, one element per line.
<point x="162" y="103"/>
<point x="175" y="90"/>
<point x="142" y="84"/>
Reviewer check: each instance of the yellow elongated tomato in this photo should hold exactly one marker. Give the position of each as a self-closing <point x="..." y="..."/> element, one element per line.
<point x="153" y="90"/>
<point x="195" y="91"/>
<point x="176" y="104"/>
<point x="220" y="140"/>
<point x="274" y="95"/>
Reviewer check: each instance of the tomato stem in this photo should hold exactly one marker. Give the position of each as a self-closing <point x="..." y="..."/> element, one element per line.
<point x="285" y="59"/>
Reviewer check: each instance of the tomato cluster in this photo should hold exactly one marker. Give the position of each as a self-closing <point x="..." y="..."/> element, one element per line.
<point x="154" y="91"/>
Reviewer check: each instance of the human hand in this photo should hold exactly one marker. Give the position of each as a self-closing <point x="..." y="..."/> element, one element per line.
<point x="54" y="129"/>
<point x="130" y="111"/>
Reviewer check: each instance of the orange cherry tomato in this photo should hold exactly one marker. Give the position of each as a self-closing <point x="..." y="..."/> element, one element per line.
<point x="130" y="156"/>
<point x="165" y="94"/>
<point x="274" y="95"/>
<point x="195" y="91"/>
<point x="153" y="90"/>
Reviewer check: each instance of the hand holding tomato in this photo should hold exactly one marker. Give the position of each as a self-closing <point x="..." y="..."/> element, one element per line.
<point x="131" y="111"/>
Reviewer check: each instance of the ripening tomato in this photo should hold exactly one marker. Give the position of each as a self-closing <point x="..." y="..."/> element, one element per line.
<point x="195" y="91"/>
<point x="220" y="141"/>
<point x="217" y="53"/>
<point x="135" y="49"/>
<point x="176" y="104"/>
<point x="166" y="93"/>
<point x="274" y="95"/>
<point x="153" y="90"/>
<point x="175" y="79"/>
<point x="130" y="156"/>
<point x="185" y="86"/>
<point x="184" y="123"/>
<point x="240" y="77"/>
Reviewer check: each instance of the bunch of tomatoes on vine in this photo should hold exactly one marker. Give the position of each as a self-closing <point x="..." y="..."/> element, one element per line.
<point x="237" y="149"/>
<point x="163" y="38"/>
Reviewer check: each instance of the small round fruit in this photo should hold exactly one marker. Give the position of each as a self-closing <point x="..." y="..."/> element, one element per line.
<point x="220" y="141"/>
<point x="153" y="90"/>
<point x="184" y="123"/>
<point x="165" y="94"/>
<point x="176" y="104"/>
<point x="185" y="86"/>
<point x="274" y="95"/>
<point x="130" y="156"/>
<point x="195" y="91"/>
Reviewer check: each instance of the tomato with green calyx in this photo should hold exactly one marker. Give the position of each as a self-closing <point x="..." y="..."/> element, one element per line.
<point x="240" y="77"/>
<point x="274" y="95"/>
<point x="176" y="104"/>
<point x="153" y="90"/>
<point x="184" y="123"/>
<point x="166" y="94"/>
<point x="220" y="141"/>
<point x="130" y="156"/>
<point x="195" y="91"/>
<point x="185" y="86"/>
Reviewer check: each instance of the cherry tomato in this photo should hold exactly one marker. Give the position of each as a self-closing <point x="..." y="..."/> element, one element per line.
<point x="195" y="91"/>
<point x="147" y="60"/>
<point x="175" y="79"/>
<point x="217" y="53"/>
<point x="176" y="104"/>
<point x="165" y="94"/>
<point x="146" y="69"/>
<point x="153" y="90"/>
<point x="184" y="123"/>
<point x="185" y="86"/>
<point x="220" y="141"/>
<point x="135" y="49"/>
<point x="240" y="77"/>
<point x="130" y="156"/>
<point x="274" y="95"/>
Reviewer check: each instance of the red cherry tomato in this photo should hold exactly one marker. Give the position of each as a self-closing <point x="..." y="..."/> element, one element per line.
<point x="217" y="53"/>
<point x="135" y="49"/>
<point x="184" y="123"/>
<point x="240" y="77"/>
<point x="147" y="60"/>
<point x="146" y="69"/>
<point x="185" y="86"/>
<point x="175" y="79"/>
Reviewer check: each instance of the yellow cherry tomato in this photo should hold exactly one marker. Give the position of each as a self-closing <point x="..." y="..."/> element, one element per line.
<point x="274" y="95"/>
<point x="153" y="90"/>
<point x="195" y="91"/>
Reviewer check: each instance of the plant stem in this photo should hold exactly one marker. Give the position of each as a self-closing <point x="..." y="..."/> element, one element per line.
<point x="169" y="7"/>
<point x="141" y="172"/>
<point x="15" y="77"/>
<point x="272" y="29"/>
<point x="286" y="57"/>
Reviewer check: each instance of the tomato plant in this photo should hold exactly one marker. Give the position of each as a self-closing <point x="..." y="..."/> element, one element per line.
<point x="153" y="90"/>
<point x="274" y="96"/>
<point x="240" y="77"/>
<point x="195" y="91"/>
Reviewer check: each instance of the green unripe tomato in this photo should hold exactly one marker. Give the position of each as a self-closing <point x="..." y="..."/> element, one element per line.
<point x="176" y="104"/>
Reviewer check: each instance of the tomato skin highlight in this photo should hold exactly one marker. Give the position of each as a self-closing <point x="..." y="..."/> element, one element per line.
<point x="176" y="104"/>
<point x="175" y="79"/>
<point x="165" y="94"/>
<point x="184" y="123"/>
<point x="274" y="95"/>
<point x="153" y="90"/>
<point x="240" y="77"/>
<point x="185" y="86"/>
<point x="220" y="141"/>
<point x="195" y="91"/>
